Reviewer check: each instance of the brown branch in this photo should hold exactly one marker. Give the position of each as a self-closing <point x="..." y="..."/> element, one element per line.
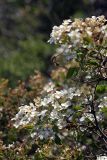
<point x="97" y="124"/>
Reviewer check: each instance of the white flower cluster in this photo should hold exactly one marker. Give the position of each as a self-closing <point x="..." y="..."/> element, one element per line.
<point x="54" y="108"/>
<point x="102" y="158"/>
<point x="25" y="115"/>
<point x="74" y="37"/>
<point x="90" y="117"/>
<point x="76" y="33"/>
<point x="58" y="32"/>
<point x="103" y="103"/>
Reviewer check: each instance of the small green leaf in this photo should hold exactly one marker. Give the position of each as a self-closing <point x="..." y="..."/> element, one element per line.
<point x="93" y="62"/>
<point x="72" y="72"/>
<point x="77" y="108"/>
<point x="104" y="109"/>
<point x="101" y="88"/>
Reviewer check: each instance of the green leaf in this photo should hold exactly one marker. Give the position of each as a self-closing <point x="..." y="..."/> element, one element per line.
<point x="77" y="108"/>
<point x="101" y="88"/>
<point x="104" y="110"/>
<point x="93" y="62"/>
<point x="72" y="72"/>
<point x="87" y="40"/>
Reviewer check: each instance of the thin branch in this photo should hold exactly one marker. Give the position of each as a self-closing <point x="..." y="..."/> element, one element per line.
<point x="95" y="118"/>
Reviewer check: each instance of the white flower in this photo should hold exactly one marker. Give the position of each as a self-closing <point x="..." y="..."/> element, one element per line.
<point x="65" y="134"/>
<point x="42" y="113"/>
<point x="88" y="116"/>
<point x="33" y="134"/>
<point x="61" y="123"/>
<point x="25" y="115"/>
<point x="66" y="22"/>
<point x="71" y="90"/>
<point x="77" y="93"/>
<point x="45" y="133"/>
<point x="75" y="36"/>
<point x="102" y="158"/>
<point x="66" y="104"/>
<point x="103" y="103"/>
<point x="82" y="119"/>
<point x="89" y="33"/>
<point x="46" y="101"/>
<point x="88" y="77"/>
<point x="59" y="30"/>
<point x="56" y="105"/>
<point x="49" y="87"/>
<point x="59" y="94"/>
<point x="54" y="115"/>
<point x="11" y="145"/>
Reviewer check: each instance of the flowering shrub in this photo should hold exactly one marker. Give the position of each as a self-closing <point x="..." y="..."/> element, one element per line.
<point x="69" y="118"/>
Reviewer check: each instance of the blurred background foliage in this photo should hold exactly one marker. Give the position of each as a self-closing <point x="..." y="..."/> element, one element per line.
<point x="25" y="26"/>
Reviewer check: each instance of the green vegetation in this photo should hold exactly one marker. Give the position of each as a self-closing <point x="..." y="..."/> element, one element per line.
<point x="25" y="27"/>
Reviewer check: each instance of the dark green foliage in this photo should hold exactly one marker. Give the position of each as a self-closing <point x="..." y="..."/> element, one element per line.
<point x="23" y="62"/>
<point x="101" y="88"/>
